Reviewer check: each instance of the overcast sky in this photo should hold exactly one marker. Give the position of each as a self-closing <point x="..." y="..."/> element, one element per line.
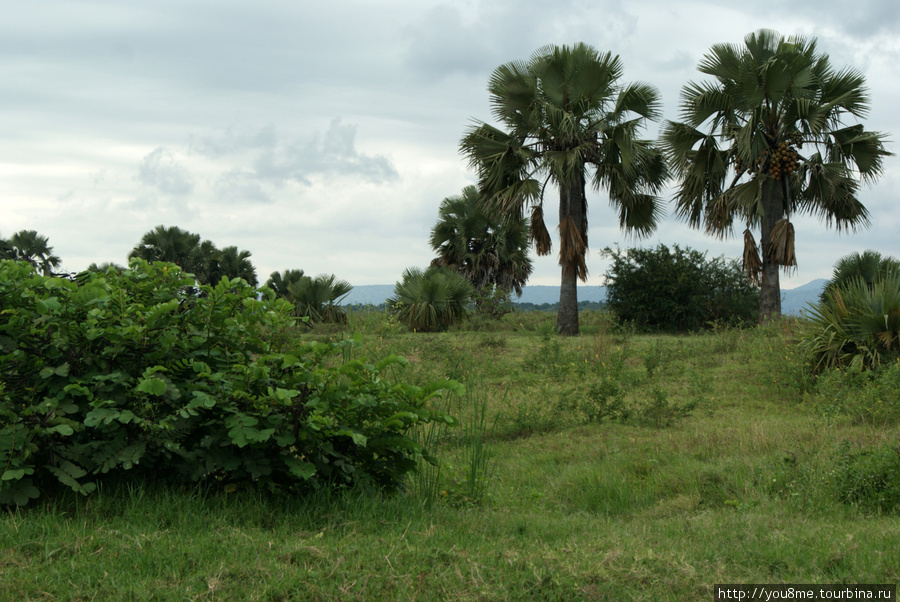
<point x="323" y="136"/>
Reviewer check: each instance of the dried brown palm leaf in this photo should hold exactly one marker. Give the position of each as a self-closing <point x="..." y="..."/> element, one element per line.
<point x="780" y="246"/>
<point x="572" y="248"/>
<point x="538" y="233"/>
<point x="718" y="217"/>
<point x="752" y="264"/>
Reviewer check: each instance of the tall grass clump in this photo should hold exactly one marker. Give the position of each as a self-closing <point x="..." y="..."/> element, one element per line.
<point x="464" y="466"/>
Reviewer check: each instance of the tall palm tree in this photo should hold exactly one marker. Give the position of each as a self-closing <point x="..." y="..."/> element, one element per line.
<point x="28" y="245"/>
<point x="172" y="245"/>
<point x="199" y="257"/>
<point x="568" y="121"/>
<point x="769" y="138"/>
<point x="487" y="252"/>
<point x="6" y="249"/>
<point x="232" y="263"/>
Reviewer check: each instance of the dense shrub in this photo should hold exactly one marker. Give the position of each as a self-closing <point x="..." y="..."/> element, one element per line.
<point x="678" y="289"/>
<point x="122" y="375"/>
<point x="432" y="300"/>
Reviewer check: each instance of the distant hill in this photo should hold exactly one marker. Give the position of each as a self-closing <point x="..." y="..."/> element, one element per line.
<point x="793" y="300"/>
<point x="369" y="294"/>
<point x="376" y="294"/>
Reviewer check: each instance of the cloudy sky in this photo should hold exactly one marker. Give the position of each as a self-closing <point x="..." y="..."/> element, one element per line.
<point x="323" y="136"/>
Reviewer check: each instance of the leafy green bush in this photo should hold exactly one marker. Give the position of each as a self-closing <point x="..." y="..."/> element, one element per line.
<point x="678" y="289"/>
<point x="432" y="300"/>
<point x="122" y="375"/>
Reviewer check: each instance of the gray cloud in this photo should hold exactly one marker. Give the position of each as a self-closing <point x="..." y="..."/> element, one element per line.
<point x="235" y="140"/>
<point x="160" y="170"/>
<point x="240" y="186"/>
<point x="90" y="88"/>
<point x="333" y="153"/>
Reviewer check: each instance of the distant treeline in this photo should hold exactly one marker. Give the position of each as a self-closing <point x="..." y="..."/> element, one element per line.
<point x="550" y="307"/>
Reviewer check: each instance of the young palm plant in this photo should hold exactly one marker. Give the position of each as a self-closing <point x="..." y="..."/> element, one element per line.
<point x="318" y="298"/>
<point x="280" y="282"/>
<point x="773" y="135"/>
<point x="568" y="121"/>
<point x="856" y="326"/>
<point x="870" y="266"/>
<point x="432" y="300"/>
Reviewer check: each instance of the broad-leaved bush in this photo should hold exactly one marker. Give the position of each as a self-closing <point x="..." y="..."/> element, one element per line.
<point x="143" y="374"/>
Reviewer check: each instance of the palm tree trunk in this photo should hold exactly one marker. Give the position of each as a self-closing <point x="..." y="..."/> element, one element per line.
<point x="572" y="205"/>
<point x="770" y="287"/>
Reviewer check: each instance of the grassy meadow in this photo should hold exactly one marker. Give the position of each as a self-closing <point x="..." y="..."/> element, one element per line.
<point x="607" y="466"/>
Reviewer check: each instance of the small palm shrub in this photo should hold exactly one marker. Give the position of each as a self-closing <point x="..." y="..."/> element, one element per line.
<point x="314" y="298"/>
<point x="856" y="326"/>
<point x="870" y="266"/>
<point x="318" y="298"/>
<point x="432" y="300"/>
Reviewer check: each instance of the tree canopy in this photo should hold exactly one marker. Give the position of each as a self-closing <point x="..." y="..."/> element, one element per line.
<point x="568" y="120"/>
<point x="773" y="134"/>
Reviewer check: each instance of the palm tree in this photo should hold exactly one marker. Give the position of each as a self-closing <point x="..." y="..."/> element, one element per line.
<point x="199" y="257"/>
<point x="856" y="326"/>
<point x="869" y="266"/>
<point x="29" y="246"/>
<point x="172" y="245"/>
<point x="568" y="121"/>
<point x="280" y="282"/>
<point x="232" y="263"/>
<point x="487" y="252"/>
<point x="766" y="139"/>
<point x="6" y="250"/>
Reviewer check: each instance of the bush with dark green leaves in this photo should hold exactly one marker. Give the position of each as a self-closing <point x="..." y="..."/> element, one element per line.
<point x="131" y="374"/>
<point x="678" y="289"/>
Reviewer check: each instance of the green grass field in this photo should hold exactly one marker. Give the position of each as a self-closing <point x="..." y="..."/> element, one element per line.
<point x="609" y="466"/>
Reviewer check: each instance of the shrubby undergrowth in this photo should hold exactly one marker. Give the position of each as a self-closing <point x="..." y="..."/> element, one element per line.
<point x="678" y="290"/>
<point x="139" y="374"/>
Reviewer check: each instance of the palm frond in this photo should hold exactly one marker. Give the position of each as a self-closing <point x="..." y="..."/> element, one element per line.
<point x="538" y="233"/>
<point x="751" y="262"/>
<point x="572" y="248"/>
<point x="779" y="247"/>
